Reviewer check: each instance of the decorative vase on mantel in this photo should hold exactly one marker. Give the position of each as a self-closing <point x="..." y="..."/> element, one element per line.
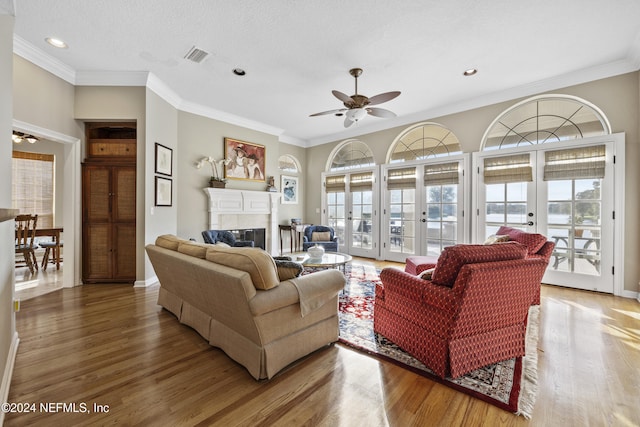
<point x="217" y="183"/>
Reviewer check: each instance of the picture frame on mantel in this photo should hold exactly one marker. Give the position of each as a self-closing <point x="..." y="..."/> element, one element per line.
<point x="290" y="189"/>
<point x="244" y="160"/>
<point x="164" y="191"/>
<point x="164" y="160"/>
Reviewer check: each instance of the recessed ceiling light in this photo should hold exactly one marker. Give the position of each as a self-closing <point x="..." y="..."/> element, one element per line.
<point x="56" y="43"/>
<point x="239" y="72"/>
<point x="470" y="72"/>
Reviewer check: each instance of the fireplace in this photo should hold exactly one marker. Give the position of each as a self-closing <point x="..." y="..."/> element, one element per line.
<point x="237" y="210"/>
<point x="255" y="235"/>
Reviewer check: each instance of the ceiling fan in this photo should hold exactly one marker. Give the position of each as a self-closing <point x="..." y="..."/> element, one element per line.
<point x="358" y="106"/>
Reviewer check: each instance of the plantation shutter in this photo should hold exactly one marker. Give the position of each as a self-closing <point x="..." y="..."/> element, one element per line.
<point x="442" y="174"/>
<point x="401" y="178"/>
<point x="575" y="163"/>
<point x="514" y="168"/>
<point x="32" y="188"/>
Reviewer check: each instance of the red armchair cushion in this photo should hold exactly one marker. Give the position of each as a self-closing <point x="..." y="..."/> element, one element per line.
<point x="454" y="257"/>
<point x="532" y="241"/>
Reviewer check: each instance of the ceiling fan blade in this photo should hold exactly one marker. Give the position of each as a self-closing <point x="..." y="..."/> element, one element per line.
<point x="339" y="110"/>
<point x="341" y="96"/>
<point x="348" y="122"/>
<point x="381" y="112"/>
<point x="383" y="97"/>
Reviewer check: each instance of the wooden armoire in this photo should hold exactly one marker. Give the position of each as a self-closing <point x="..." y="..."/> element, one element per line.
<point x="109" y="203"/>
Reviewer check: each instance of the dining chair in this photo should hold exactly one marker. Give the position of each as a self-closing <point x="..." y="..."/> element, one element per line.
<point x="25" y="238"/>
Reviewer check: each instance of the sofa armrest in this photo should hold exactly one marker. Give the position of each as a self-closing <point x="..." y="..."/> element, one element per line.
<point x="395" y="281"/>
<point x="325" y="284"/>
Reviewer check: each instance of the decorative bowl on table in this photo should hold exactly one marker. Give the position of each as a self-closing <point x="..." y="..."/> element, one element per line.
<point x="316" y="251"/>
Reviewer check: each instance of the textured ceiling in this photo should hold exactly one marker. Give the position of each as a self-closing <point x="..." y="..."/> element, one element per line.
<point x="295" y="52"/>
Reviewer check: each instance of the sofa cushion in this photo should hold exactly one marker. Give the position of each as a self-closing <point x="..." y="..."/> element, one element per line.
<point x="532" y="241"/>
<point x="195" y="249"/>
<point x="495" y="238"/>
<point x="320" y="236"/>
<point x="168" y="241"/>
<point x="255" y="261"/>
<point x="453" y="258"/>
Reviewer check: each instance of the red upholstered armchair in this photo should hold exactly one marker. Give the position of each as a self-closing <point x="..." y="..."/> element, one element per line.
<point x="470" y="314"/>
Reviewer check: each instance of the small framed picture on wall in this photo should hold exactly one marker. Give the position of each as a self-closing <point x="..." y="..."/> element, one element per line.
<point x="164" y="160"/>
<point x="290" y="190"/>
<point x="164" y="191"/>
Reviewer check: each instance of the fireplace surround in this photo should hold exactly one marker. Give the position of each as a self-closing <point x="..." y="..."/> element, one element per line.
<point x="230" y="209"/>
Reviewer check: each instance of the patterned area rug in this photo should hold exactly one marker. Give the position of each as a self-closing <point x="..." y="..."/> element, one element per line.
<point x="510" y="385"/>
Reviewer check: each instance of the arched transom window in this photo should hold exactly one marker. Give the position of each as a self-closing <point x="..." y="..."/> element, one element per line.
<point x="545" y="119"/>
<point x="424" y="141"/>
<point x="288" y="164"/>
<point x="351" y="154"/>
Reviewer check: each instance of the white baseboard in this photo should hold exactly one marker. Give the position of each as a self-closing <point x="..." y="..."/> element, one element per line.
<point x="8" y="372"/>
<point x="145" y="283"/>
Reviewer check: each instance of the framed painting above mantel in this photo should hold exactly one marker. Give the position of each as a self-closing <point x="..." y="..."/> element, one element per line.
<point x="244" y="160"/>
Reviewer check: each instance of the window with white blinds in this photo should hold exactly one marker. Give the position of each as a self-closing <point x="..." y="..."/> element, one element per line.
<point x="33" y="184"/>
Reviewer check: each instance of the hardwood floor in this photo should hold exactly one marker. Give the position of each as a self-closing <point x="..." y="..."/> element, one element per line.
<point x="111" y="345"/>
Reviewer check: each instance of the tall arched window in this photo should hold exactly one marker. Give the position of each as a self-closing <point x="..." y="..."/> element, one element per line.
<point x="545" y="119"/>
<point x="423" y="141"/>
<point x="350" y="195"/>
<point x="546" y="166"/>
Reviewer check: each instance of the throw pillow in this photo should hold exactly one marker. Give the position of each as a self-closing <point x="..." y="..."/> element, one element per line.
<point x="320" y="236"/>
<point x="255" y="261"/>
<point x="494" y="238"/>
<point x="427" y="274"/>
<point x="288" y="269"/>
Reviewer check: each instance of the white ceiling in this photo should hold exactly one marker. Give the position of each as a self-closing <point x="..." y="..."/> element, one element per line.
<point x="295" y="52"/>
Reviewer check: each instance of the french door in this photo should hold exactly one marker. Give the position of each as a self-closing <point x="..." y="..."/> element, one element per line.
<point x="350" y="208"/>
<point x="564" y="191"/>
<point x="423" y="208"/>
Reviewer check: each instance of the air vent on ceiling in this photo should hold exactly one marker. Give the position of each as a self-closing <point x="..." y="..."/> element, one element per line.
<point x="196" y="55"/>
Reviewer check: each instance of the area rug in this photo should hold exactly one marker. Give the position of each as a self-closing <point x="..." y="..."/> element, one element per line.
<point x="509" y="385"/>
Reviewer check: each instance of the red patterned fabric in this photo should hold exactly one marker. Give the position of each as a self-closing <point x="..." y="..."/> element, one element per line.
<point x="479" y="321"/>
<point x="454" y="257"/>
<point x="533" y="241"/>
<point x="417" y="264"/>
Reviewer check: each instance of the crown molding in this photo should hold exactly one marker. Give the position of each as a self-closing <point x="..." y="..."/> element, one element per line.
<point x="163" y="91"/>
<point x="634" y="52"/>
<point x="212" y="113"/>
<point x="32" y="54"/>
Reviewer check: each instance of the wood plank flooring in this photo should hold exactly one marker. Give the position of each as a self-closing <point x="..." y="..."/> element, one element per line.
<point x="111" y="345"/>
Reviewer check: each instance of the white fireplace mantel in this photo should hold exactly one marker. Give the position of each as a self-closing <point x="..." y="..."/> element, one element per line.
<point x="224" y="201"/>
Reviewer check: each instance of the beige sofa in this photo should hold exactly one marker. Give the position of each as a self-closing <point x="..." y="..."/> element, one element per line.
<point x="239" y="301"/>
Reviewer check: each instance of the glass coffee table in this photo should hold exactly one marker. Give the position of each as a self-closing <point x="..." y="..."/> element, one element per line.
<point x="328" y="260"/>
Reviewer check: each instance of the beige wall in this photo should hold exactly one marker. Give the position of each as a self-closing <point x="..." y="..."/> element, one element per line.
<point x="43" y="99"/>
<point x="7" y="316"/>
<point x="618" y="97"/>
<point x="162" y="128"/>
<point x="198" y="137"/>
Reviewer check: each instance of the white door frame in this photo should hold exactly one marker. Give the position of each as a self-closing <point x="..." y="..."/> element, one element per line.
<point x="618" y="141"/>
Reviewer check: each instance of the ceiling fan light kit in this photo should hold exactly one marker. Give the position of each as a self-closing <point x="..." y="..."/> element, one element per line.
<point x="357" y="105"/>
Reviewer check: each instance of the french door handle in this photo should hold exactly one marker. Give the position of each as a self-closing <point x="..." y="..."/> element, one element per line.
<point x="530" y="223"/>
